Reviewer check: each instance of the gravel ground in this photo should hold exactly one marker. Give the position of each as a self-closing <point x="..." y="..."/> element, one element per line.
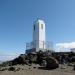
<point x="34" y="70"/>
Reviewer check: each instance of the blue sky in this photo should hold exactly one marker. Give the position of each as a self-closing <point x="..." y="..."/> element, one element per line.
<point x="17" y="17"/>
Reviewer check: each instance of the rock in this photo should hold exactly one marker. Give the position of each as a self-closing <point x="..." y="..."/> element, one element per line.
<point x="52" y="63"/>
<point x="44" y="63"/>
<point x="70" y="64"/>
<point x="19" y="60"/>
<point x="63" y="67"/>
<point x="29" y="68"/>
<point x="3" y="69"/>
<point x="34" y="67"/>
<point x="27" y="62"/>
<point x="73" y="59"/>
<point x="11" y="68"/>
<point x="17" y="69"/>
<point x="74" y="67"/>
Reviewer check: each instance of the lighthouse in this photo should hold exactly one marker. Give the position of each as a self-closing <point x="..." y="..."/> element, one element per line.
<point x="39" y="39"/>
<point x="39" y="35"/>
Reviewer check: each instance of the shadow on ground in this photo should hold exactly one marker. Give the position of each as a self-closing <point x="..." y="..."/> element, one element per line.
<point x="44" y="68"/>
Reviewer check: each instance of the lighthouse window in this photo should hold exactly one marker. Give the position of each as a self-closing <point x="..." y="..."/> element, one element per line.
<point x="41" y="26"/>
<point x="34" y="27"/>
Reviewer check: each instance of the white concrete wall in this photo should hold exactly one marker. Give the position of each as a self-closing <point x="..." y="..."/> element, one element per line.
<point x="39" y="34"/>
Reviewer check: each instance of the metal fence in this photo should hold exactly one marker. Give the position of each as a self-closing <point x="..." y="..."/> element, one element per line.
<point x="45" y="45"/>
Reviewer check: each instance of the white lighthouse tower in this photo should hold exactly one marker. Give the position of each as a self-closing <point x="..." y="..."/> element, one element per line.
<point x="39" y="40"/>
<point x="39" y="35"/>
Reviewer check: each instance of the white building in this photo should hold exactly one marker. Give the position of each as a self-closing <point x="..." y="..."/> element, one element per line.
<point x="39" y="35"/>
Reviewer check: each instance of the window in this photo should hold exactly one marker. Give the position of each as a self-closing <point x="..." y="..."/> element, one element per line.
<point x="34" y="27"/>
<point x="41" y="26"/>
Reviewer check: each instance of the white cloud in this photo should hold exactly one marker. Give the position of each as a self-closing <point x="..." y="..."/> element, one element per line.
<point x="7" y="57"/>
<point x="65" y="46"/>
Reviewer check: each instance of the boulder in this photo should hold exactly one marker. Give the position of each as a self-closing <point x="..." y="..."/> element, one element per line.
<point x="51" y="63"/>
<point x="3" y="69"/>
<point x="11" y="68"/>
<point x="74" y="67"/>
<point x="43" y="63"/>
<point x="73" y="59"/>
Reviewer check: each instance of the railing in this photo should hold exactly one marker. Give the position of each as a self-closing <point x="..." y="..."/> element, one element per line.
<point x="44" y="45"/>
